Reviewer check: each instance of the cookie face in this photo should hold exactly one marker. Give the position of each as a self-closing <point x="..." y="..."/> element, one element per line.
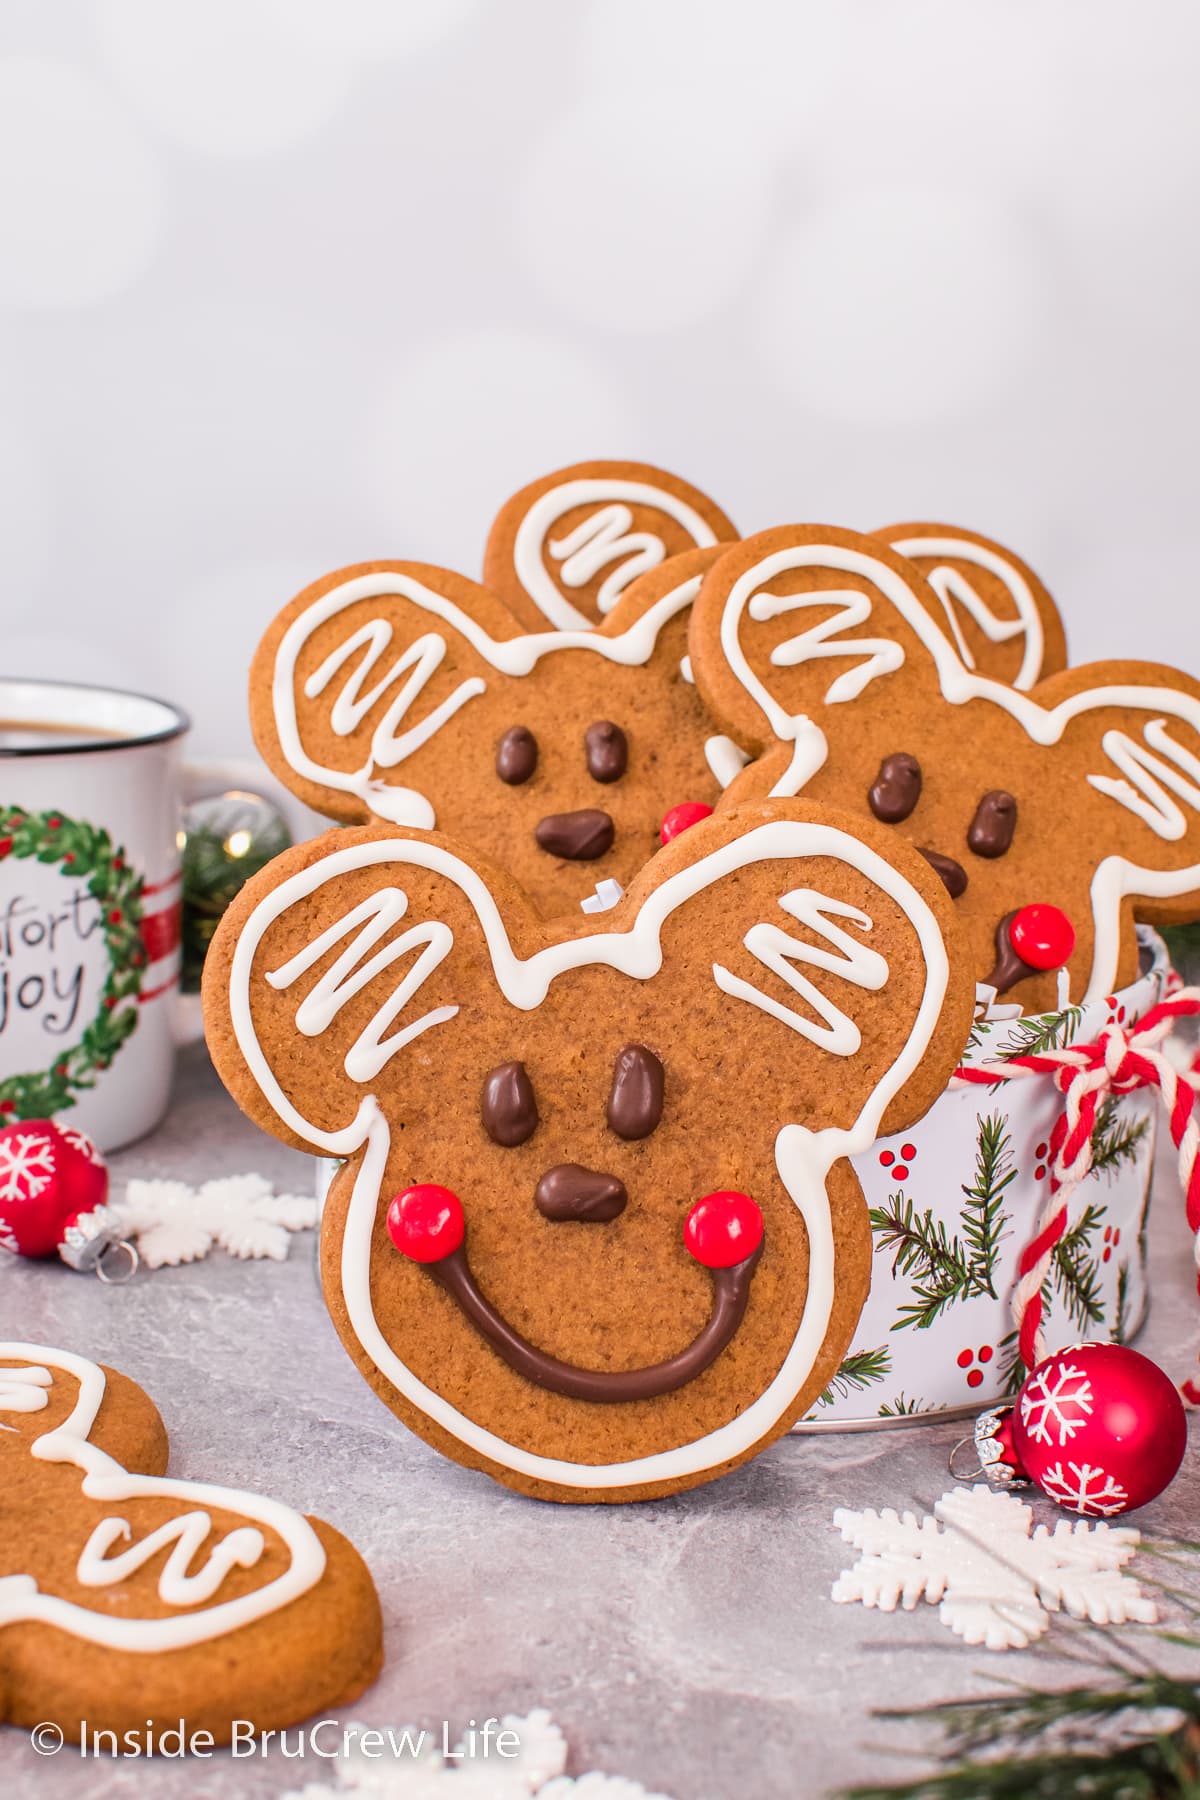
<point x="595" y="1234"/>
<point x="410" y="694"/>
<point x="822" y="652"/>
<point x="567" y="547"/>
<point x="994" y="609"/>
<point x="127" y="1596"/>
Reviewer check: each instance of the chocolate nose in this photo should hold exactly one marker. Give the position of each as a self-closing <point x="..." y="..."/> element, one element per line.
<point x="569" y="1191"/>
<point x="579" y="836"/>
<point x="951" y="872"/>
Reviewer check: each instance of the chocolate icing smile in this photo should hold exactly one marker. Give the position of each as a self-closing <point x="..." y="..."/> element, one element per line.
<point x="731" y="1294"/>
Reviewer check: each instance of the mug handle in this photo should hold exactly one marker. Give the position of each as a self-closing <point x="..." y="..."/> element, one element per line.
<point x="199" y="780"/>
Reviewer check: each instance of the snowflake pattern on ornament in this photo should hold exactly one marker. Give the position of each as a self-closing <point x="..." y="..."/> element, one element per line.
<point x="409" y="1764"/>
<point x="80" y="1141"/>
<point x="1057" y="1400"/>
<point x="26" y="1165"/>
<point x="1085" y="1489"/>
<point x="994" y="1579"/>
<point x="172" y="1223"/>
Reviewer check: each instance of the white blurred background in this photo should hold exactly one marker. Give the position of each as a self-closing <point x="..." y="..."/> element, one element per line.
<point x="290" y="283"/>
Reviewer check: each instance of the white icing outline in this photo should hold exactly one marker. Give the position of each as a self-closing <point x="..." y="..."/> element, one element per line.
<point x="595" y="541"/>
<point x="950" y="584"/>
<point x="515" y="657"/>
<point x="803" y="1158"/>
<point x="958" y="686"/>
<point x="26" y="1390"/>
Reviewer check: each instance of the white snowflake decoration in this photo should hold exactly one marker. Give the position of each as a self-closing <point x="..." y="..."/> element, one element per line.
<point x="79" y="1140"/>
<point x="1085" y="1489"/>
<point x="996" y="1582"/>
<point x="1059" y="1400"/>
<point x="409" y="1765"/>
<point x="173" y="1223"/>
<point x="26" y="1165"/>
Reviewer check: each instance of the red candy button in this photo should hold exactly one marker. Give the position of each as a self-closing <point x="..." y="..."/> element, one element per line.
<point x="688" y="812"/>
<point x="723" y="1229"/>
<point x="1042" y="936"/>
<point x="426" y="1222"/>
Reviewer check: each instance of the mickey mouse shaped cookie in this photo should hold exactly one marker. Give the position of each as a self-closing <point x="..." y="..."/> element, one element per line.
<point x="410" y="694"/>
<point x="565" y="548"/>
<point x="127" y="1596"/>
<point x="1056" y="816"/>
<point x="596" y="1233"/>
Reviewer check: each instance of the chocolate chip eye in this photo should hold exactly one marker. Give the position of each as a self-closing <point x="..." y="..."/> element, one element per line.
<point x="607" y="750"/>
<point x="635" y="1101"/>
<point x="896" y="789"/>
<point x="991" y="830"/>
<point x="516" y="755"/>
<point x="508" y="1106"/>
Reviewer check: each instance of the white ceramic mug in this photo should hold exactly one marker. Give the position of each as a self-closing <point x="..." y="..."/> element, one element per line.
<point x="90" y="906"/>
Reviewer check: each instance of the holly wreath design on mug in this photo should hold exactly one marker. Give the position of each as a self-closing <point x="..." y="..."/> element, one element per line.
<point x="127" y="1595"/>
<point x="410" y="694"/>
<point x="1057" y="816"/>
<point x="595" y="1232"/>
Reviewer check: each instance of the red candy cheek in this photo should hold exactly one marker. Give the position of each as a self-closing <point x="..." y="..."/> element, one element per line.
<point x="426" y="1222"/>
<point x="1042" y="936"/>
<point x="723" y="1229"/>
<point x="688" y="812"/>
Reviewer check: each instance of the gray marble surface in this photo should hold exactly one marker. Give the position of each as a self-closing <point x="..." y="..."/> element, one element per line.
<point x="690" y="1644"/>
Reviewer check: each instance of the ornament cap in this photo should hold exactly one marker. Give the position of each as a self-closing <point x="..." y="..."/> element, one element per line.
<point x="87" y="1239"/>
<point x="992" y="1443"/>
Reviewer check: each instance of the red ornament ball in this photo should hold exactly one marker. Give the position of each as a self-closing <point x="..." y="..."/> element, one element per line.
<point x="723" y="1229"/>
<point x="426" y="1222"/>
<point x="1042" y="936"/>
<point x="1100" y="1429"/>
<point x="49" y="1176"/>
<point x="687" y="813"/>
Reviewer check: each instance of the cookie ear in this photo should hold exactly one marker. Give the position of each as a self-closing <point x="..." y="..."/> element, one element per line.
<point x="564" y="549"/>
<point x="817" y="944"/>
<point x="1133" y="733"/>
<point x="361" y="677"/>
<point x="334" y="968"/>
<point x="792" y="627"/>
<point x="1000" y="618"/>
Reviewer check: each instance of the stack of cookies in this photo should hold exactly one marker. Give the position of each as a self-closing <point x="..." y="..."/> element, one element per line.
<point x="675" y="871"/>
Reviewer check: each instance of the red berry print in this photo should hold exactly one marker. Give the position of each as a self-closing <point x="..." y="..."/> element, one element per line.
<point x="723" y="1229"/>
<point x="899" y="1170"/>
<point x="6" y="845"/>
<point x="966" y="1359"/>
<point x="1112" y="1237"/>
<point x="887" y="1158"/>
<point x="8" y="1106"/>
<point x="53" y="823"/>
<point x="114" y="917"/>
<point x="1042" y="1152"/>
<point x="69" y="857"/>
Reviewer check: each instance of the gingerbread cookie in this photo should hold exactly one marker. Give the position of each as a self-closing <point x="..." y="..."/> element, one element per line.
<point x="564" y="549"/>
<point x="126" y="1596"/>
<point x="997" y="613"/>
<point x="822" y="652"/>
<point x="596" y="1233"/>
<point x="411" y="694"/>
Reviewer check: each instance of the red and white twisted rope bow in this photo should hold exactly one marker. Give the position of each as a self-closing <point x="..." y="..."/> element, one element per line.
<point x="1118" y="1062"/>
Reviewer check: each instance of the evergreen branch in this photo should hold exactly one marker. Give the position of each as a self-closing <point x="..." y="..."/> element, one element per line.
<point x="1115" y="1140"/>
<point x="861" y="1369"/>
<point x="1047" y="1031"/>
<point x="983" y="1212"/>
<point x="1121" y="1322"/>
<point x="901" y="1407"/>
<point x="1075" y="1273"/>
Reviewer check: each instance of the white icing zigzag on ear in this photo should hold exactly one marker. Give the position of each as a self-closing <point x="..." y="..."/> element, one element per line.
<point x="951" y="585"/>
<point x="856" y="963"/>
<point x="238" y="1549"/>
<point x="598" y="539"/>
<point x="370" y="1051"/>
<point x="23" y="1389"/>
<point x="513" y="657"/>
<point x="803" y="1158"/>
<point x="1141" y="793"/>
<point x="880" y="655"/>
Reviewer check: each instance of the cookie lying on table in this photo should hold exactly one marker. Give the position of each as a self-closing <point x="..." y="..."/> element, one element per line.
<point x="596" y="1233"/>
<point x="564" y="549"/>
<point x="410" y="694"/>
<point x="127" y="1596"/>
<point x="1057" y="817"/>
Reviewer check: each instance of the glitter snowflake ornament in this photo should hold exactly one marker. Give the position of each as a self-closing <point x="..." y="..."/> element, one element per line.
<point x="1099" y="1427"/>
<point x="994" y="1577"/>
<point x="173" y="1223"/>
